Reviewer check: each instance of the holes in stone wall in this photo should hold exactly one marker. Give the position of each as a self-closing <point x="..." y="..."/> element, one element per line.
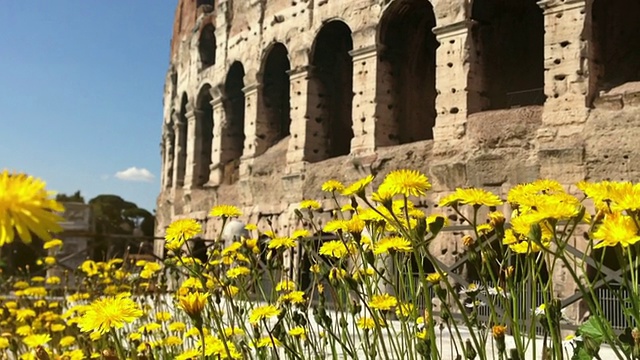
<point x="233" y="128"/>
<point x="207" y="46"/>
<point x="615" y="45"/>
<point x="204" y="135"/>
<point x="332" y="79"/>
<point x="510" y="37"/>
<point x="275" y="92"/>
<point x="410" y="58"/>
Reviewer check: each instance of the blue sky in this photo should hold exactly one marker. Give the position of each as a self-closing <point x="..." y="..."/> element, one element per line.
<point x="81" y="85"/>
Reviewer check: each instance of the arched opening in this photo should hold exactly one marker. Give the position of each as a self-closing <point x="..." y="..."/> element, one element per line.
<point x="508" y="38"/>
<point x="170" y="140"/>
<point x="205" y="2"/>
<point x="204" y="135"/>
<point x="331" y="87"/>
<point x="207" y="46"/>
<point x="275" y="92"/>
<point x="181" y="143"/>
<point x="408" y="60"/>
<point x="615" y="46"/>
<point x="233" y="128"/>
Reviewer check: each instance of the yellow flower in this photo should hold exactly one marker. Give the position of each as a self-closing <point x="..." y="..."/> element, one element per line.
<point x="24" y="330"/>
<point x="172" y="341"/>
<point x="193" y="303"/>
<point x="109" y="312"/>
<point x="498" y="331"/>
<point x="177" y="326"/>
<point x="407" y="183"/>
<point x="471" y="196"/>
<point x="434" y="278"/>
<point x="395" y="243"/>
<point x="367" y="323"/>
<point x="225" y="211"/>
<point x="616" y="229"/>
<point x="67" y="341"/>
<point x="337" y="249"/>
<point x="238" y="271"/>
<point x="26" y="207"/>
<point x="357" y="188"/>
<point x="286" y="285"/>
<point x="263" y="313"/>
<point x="335" y="226"/>
<point x="4" y="343"/>
<point x="21" y="285"/>
<point x="281" y="242"/>
<point x="149" y="328"/>
<point x="310" y="204"/>
<point x="189" y="354"/>
<point x="179" y="231"/>
<point x="528" y="247"/>
<point x="404" y="310"/>
<point x="35" y="340"/>
<point x="301" y="233"/>
<point x="298" y="331"/>
<point x="268" y="342"/>
<point x="332" y="185"/>
<point x="58" y="327"/>
<point x="294" y="297"/>
<point x="35" y="291"/>
<point x="383" y="302"/>
<point x="89" y="267"/>
<point x="53" y="243"/>
<point x="229" y="332"/>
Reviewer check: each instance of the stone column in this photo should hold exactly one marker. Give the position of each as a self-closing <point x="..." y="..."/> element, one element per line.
<point x="255" y="122"/>
<point x="300" y="117"/>
<point x="561" y="149"/>
<point x="454" y="83"/>
<point x="565" y="62"/>
<point x="180" y="149"/>
<point x="368" y="129"/>
<point x="216" y="168"/>
<point x="194" y="147"/>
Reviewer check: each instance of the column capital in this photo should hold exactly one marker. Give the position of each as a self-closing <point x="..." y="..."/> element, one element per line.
<point x="453" y="29"/>
<point x="366" y="52"/>
<point x="252" y="88"/>
<point x="300" y="71"/>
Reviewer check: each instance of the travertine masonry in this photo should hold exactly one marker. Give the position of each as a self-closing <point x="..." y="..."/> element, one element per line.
<point x="266" y="99"/>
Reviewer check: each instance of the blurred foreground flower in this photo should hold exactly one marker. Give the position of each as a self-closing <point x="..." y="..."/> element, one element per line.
<point x="110" y="312"/>
<point x="26" y="207"/>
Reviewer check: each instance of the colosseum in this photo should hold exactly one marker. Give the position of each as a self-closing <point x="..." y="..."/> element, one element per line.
<point x="266" y="99"/>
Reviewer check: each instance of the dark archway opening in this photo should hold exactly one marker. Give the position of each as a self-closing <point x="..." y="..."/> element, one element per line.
<point x="332" y="76"/>
<point x="169" y="151"/>
<point x="509" y="42"/>
<point x="204" y="135"/>
<point x="205" y="2"/>
<point x="207" y="46"/>
<point x="409" y="60"/>
<point x="233" y="131"/>
<point x="181" y="145"/>
<point x="615" y="43"/>
<point x="275" y="92"/>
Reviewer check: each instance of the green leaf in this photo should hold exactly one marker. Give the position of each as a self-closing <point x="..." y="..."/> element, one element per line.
<point x="593" y="329"/>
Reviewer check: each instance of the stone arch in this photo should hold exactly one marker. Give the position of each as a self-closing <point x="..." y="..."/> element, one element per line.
<point x="408" y="69"/>
<point x="330" y="94"/>
<point x="181" y="131"/>
<point x="204" y="135"/>
<point x="232" y="141"/>
<point x="169" y="150"/>
<point x="207" y="46"/>
<point x="508" y="54"/>
<point x="615" y="46"/>
<point x="275" y="93"/>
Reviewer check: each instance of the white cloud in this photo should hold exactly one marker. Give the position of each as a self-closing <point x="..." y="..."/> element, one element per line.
<point x="135" y="174"/>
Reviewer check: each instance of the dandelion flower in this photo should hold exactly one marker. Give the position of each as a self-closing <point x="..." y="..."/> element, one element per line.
<point x="193" y="303"/>
<point x="332" y="185"/>
<point x="109" y="312"/>
<point x="471" y="196"/>
<point x="179" y="231"/>
<point x="26" y="207"/>
<point x="310" y="204"/>
<point x="337" y="249"/>
<point x="367" y="323"/>
<point x="35" y="340"/>
<point x="52" y="244"/>
<point x="407" y="183"/>
<point x="357" y="188"/>
<point x="394" y="243"/>
<point x="298" y="331"/>
<point x="383" y="302"/>
<point x="616" y="229"/>
<point x="225" y="211"/>
<point x="263" y="313"/>
<point x="281" y="242"/>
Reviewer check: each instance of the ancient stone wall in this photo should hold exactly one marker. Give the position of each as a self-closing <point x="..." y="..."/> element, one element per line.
<point x="266" y="99"/>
